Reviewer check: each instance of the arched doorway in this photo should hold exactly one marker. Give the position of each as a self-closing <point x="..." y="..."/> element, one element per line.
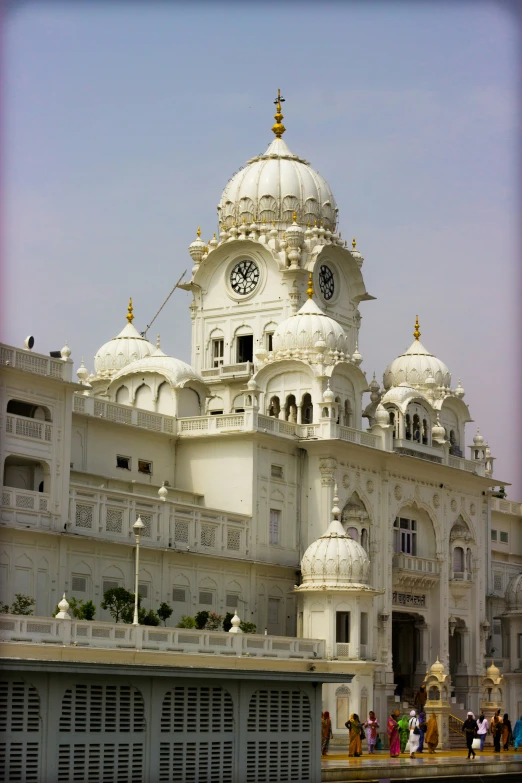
<point x="406" y="653"/>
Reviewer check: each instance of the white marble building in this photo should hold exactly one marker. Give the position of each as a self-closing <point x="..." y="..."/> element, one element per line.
<point x="235" y="462"/>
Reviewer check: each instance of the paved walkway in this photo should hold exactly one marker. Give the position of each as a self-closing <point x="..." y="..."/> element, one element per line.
<point x="380" y="766"/>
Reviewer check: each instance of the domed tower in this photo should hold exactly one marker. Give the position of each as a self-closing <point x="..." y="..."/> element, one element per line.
<point x="278" y="222"/>
<point x="335" y="603"/>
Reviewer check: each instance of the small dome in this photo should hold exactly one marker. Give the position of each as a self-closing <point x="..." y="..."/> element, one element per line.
<point x="335" y="561"/>
<point x="437" y="668"/>
<point x="303" y="330"/>
<point x="417" y="367"/>
<point x="328" y="395"/>
<point x="271" y="187"/>
<point x="492" y="672"/>
<point x="438" y="432"/>
<point x="382" y="416"/>
<point x="178" y="373"/>
<point x="478" y="440"/>
<point x="513" y="594"/>
<point x="126" y="347"/>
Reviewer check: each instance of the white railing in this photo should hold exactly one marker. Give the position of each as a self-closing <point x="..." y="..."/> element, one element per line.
<point x="81" y="633"/>
<point x="279" y="426"/>
<point x="472" y="466"/>
<point x="175" y="525"/>
<point x="422" y="565"/>
<point x="211" y="424"/>
<point x="506" y="506"/>
<point x="461" y="576"/>
<point x="124" y="414"/>
<point x="357" y="436"/>
<point x="25" y="500"/>
<point x="239" y="369"/>
<point x="35" y="362"/>
<point x="28" y="428"/>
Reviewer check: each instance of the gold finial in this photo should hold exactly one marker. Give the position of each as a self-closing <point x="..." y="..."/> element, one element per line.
<point x="310" y="289"/>
<point x="416" y="333"/>
<point x="130" y="317"/>
<point x="214" y="234"/>
<point x="278" y="128"/>
<point x="198" y="232"/>
<point x="354" y="243"/>
<point x="158" y="341"/>
<point x="294" y="216"/>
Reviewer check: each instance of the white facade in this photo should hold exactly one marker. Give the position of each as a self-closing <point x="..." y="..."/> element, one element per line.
<point x="250" y="442"/>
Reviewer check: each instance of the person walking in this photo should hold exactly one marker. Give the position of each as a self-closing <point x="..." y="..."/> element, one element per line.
<point x="506" y="732"/>
<point x="404" y="732"/>
<point x="496" y="731"/>
<point x="517" y="733"/>
<point x="354" y="727"/>
<point x="482" y="729"/>
<point x="392" y="730"/>
<point x="371" y="726"/>
<point x="422" y="726"/>
<point x="420" y="698"/>
<point x="432" y="734"/>
<point x="470" y="728"/>
<point x="326" y="732"/>
<point x="414" y="734"/>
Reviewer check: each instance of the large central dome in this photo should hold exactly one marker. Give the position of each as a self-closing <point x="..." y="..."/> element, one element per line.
<point x="271" y="187"/>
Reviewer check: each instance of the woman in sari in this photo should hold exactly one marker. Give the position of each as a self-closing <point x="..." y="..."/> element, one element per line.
<point x="392" y="730"/>
<point x="432" y="734"/>
<point x="517" y="733"/>
<point x="404" y="732"/>
<point x="506" y="732"/>
<point x="326" y="733"/>
<point x="354" y="726"/>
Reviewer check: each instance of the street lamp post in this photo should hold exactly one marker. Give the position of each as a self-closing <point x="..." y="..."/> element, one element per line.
<point x="137" y="529"/>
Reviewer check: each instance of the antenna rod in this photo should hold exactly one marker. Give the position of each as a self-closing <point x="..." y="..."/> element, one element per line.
<point x="163" y="305"/>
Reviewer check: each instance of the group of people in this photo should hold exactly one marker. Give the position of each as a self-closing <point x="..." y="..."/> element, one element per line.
<point x="409" y="733"/>
<point x="357" y="732"/>
<point x="501" y="730"/>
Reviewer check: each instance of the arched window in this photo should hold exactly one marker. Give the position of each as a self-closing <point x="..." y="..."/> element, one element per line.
<point x="274" y="409"/>
<point x="458" y="560"/>
<point x="307" y="409"/>
<point x="364" y="539"/>
<point x="392" y="422"/>
<point x="353" y="533"/>
<point x="425" y="432"/>
<point x="348" y="414"/>
<point x="416" y="428"/>
<point x="338" y="403"/>
<point x="408" y="427"/>
<point x="291" y="409"/>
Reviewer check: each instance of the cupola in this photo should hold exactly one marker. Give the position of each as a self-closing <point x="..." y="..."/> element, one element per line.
<point x="128" y="346"/>
<point x="417" y="367"/>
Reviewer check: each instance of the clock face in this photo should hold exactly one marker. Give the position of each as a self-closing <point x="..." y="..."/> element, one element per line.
<point x="244" y="277"/>
<point x="326" y="282"/>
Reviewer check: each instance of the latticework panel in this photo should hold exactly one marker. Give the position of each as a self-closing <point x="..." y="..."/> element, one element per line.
<point x="202" y="719"/>
<point x="100" y="708"/>
<point x="281" y="750"/>
<point x="20" y="727"/>
<point x="109" y="762"/>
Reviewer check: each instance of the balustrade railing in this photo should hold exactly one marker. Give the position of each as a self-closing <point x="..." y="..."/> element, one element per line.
<point x="34" y="362"/>
<point x="110" y="514"/>
<point x="124" y="414"/>
<point x="28" y="428"/>
<point x="82" y="633"/>
<point x="472" y="466"/>
<point x="25" y="500"/>
<point x="415" y="564"/>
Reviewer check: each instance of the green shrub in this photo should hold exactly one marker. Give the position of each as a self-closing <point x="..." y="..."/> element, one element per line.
<point x="227" y="622"/>
<point x="248" y="627"/>
<point x="23" y="604"/>
<point x="186" y="622"/>
<point x="201" y="619"/>
<point x="164" y="612"/>
<point x="118" y="601"/>
<point x="150" y="618"/>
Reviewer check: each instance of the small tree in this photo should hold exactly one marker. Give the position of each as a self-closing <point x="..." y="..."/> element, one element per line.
<point x="4" y="608"/>
<point x="117" y="600"/>
<point x="186" y="622"/>
<point x="248" y="627"/>
<point x="23" y="604"/>
<point x="164" y="612"/>
<point x="201" y="619"/>
<point x="227" y="622"/>
<point x="88" y="611"/>
<point x="151" y="618"/>
<point x="214" y="622"/>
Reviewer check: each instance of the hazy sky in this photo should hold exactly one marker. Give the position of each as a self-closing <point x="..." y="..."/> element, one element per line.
<point x="122" y="123"/>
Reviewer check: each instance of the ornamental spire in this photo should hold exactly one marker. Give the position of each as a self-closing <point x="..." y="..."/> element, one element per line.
<point x="310" y="289"/>
<point x="129" y="316"/>
<point x="416" y="333"/>
<point x="278" y="128"/>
